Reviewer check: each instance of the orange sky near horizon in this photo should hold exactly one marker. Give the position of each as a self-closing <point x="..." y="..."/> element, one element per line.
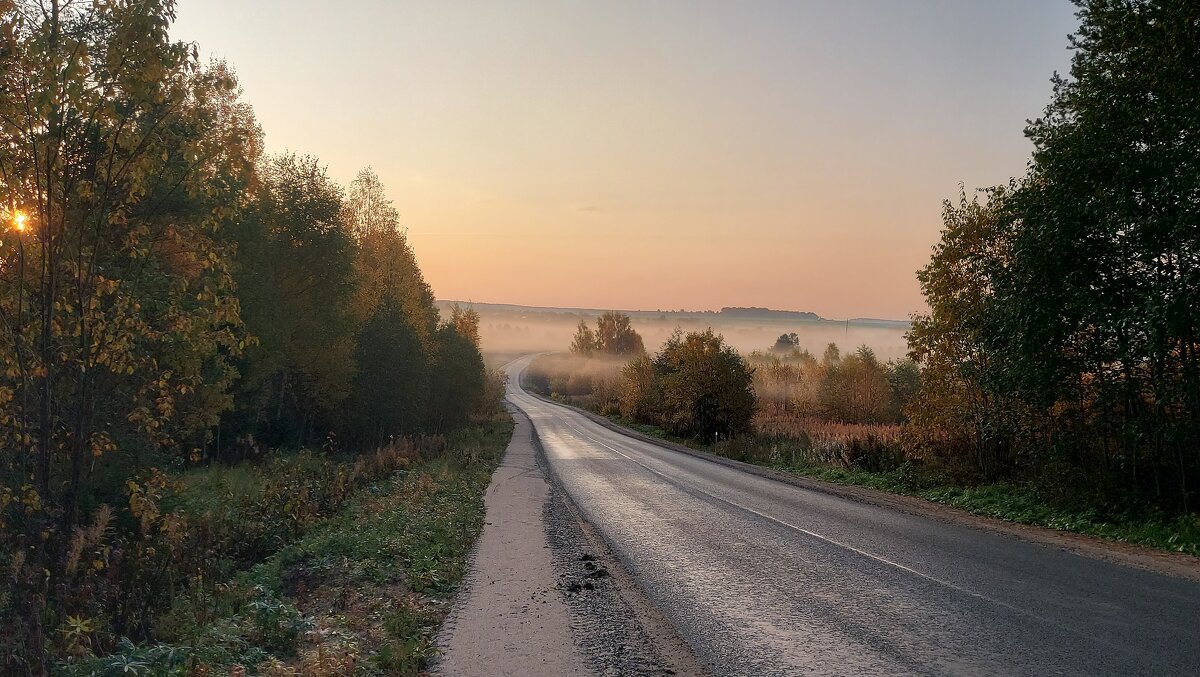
<point x="659" y="155"/>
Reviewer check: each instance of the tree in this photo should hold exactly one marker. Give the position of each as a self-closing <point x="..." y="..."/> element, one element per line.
<point x="641" y="393"/>
<point x="370" y="211"/>
<point x="947" y="343"/>
<point x="1094" y="320"/>
<point x="116" y="296"/>
<point x="293" y="270"/>
<point x="707" y="388"/>
<point x="615" y="336"/>
<point x="457" y="382"/>
<point x="831" y="356"/>
<point x="855" y="390"/>
<point x="786" y="343"/>
<point x="466" y="322"/>
<point x="121" y="158"/>
<point x="584" y="342"/>
<point x="386" y="266"/>
<point x="904" y="379"/>
<point x="391" y="387"/>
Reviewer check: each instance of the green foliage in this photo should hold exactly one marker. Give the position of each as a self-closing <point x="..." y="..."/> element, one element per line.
<point x="391" y="386"/>
<point x="786" y="343"/>
<point x="168" y="299"/>
<point x="293" y="270"/>
<point x="1063" y="335"/>
<point x="458" y="380"/>
<point x="584" y="342"/>
<point x="613" y="337"/>
<point x="126" y="157"/>
<point x="1094" y="317"/>
<point x="855" y="389"/>
<point x="706" y="387"/>
<point x="641" y="391"/>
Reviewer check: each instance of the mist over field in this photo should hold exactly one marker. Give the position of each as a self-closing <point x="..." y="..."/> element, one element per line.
<point x="511" y="329"/>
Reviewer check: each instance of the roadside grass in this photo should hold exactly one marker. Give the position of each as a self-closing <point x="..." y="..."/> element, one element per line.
<point x="359" y="590"/>
<point x="1015" y="503"/>
<point x="377" y="579"/>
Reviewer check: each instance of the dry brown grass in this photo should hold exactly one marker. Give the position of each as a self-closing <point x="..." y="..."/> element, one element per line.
<point x="872" y="446"/>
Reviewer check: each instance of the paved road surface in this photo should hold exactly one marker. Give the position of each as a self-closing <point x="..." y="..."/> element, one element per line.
<point x="764" y="578"/>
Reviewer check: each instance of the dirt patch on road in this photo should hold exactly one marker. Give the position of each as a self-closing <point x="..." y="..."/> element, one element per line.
<point x="620" y="630"/>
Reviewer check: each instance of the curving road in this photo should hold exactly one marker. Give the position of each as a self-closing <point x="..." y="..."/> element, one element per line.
<point x="764" y="578"/>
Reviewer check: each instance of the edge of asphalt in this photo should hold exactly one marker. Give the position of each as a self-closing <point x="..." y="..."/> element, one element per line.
<point x="601" y="620"/>
<point x="1118" y="552"/>
<point x="671" y="654"/>
<point x="509" y="616"/>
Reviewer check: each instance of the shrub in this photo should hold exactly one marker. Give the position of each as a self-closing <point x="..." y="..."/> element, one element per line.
<point x="706" y="387"/>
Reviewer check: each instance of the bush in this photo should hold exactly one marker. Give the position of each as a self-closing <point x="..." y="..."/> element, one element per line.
<point x="706" y="387"/>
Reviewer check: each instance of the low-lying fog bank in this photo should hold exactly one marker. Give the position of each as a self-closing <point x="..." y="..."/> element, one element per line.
<point x="508" y="328"/>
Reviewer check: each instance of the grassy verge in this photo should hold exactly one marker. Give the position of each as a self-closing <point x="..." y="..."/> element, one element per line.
<point x="1023" y="505"/>
<point x="361" y="590"/>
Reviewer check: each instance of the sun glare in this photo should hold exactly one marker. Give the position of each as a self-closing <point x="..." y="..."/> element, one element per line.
<point x="19" y="219"/>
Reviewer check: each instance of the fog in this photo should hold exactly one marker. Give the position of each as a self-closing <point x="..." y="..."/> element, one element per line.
<point x="512" y="329"/>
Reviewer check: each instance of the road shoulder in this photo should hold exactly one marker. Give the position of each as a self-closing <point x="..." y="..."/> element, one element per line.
<point x="511" y="618"/>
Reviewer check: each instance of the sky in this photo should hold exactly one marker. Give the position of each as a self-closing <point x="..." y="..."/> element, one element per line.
<point x="655" y="155"/>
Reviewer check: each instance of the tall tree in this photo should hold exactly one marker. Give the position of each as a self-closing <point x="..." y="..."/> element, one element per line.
<point x="457" y="382"/>
<point x="1096" y="314"/>
<point x="293" y="268"/>
<point x="120" y="159"/>
<point x="584" y="341"/>
<point x="386" y="267"/>
<point x="390" y="390"/>
<point x="615" y="335"/>
<point x="124" y="156"/>
<point x="955" y="401"/>
<point x="370" y="210"/>
<point x="465" y="321"/>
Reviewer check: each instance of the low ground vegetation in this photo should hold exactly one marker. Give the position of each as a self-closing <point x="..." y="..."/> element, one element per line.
<point x="303" y="565"/>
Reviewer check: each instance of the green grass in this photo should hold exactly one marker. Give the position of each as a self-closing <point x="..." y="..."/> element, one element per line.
<point x="362" y="591"/>
<point x="1020" y="504"/>
<point x="209" y="488"/>
<point x="393" y="559"/>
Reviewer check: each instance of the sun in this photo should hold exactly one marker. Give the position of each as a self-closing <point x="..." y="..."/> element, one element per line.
<point x="19" y="219"/>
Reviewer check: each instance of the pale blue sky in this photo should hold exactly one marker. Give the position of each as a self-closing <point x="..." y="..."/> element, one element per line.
<point x="655" y="154"/>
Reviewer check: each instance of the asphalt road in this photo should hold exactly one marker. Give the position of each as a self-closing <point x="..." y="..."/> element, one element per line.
<point x="764" y="578"/>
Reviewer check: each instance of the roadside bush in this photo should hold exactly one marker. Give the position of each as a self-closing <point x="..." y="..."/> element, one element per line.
<point x="640" y="391"/>
<point x="705" y="385"/>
